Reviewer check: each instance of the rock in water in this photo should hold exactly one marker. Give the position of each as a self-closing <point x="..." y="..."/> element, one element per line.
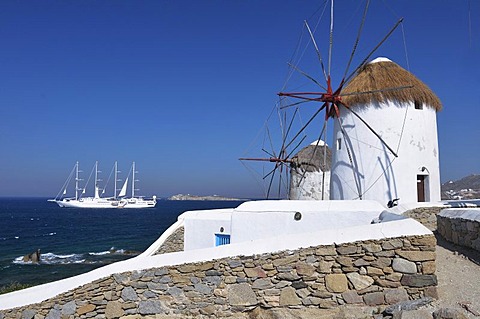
<point x="33" y="257"/>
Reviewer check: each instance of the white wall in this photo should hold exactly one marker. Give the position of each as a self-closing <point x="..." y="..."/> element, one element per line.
<point x="202" y="225"/>
<point x="380" y="175"/>
<point x="310" y="186"/>
<point x="272" y="218"/>
<point x="265" y="219"/>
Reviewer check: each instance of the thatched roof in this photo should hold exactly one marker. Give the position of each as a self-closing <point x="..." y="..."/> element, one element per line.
<point x="383" y="74"/>
<point x="310" y="158"/>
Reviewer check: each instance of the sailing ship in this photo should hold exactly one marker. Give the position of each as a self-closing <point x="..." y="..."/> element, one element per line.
<point x="96" y="201"/>
<point x="134" y="202"/>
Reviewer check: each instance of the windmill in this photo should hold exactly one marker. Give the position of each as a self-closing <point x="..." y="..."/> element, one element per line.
<point x="335" y="103"/>
<point x="277" y="178"/>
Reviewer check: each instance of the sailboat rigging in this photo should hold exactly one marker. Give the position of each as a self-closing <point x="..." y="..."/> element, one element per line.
<point x="134" y="201"/>
<point x="115" y="201"/>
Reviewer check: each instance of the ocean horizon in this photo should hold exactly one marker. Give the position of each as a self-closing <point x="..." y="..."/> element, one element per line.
<point x="73" y="241"/>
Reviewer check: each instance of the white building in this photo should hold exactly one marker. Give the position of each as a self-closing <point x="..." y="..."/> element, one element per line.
<point x="403" y="114"/>
<point x="310" y="173"/>
<point x="259" y="220"/>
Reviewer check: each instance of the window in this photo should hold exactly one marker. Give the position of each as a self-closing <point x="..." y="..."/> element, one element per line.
<point x="339" y="144"/>
<point x="222" y="239"/>
<point x="418" y="105"/>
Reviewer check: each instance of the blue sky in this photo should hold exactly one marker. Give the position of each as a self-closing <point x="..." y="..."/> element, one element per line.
<point x="183" y="87"/>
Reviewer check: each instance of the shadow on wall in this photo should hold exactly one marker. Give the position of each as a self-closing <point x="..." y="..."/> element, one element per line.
<point x="470" y="253"/>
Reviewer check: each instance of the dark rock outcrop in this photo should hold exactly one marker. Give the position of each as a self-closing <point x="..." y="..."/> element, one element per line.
<point x="33" y="257"/>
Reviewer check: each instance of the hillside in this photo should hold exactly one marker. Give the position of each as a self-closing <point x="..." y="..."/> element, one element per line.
<point x="465" y="188"/>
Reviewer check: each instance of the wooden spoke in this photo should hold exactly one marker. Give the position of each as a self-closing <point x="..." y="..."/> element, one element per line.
<point x="373" y="50"/>
<point x="307" y="124"/>
<point x="378" y="91"/>
<point x="352" y="54"/>
<point x="347" y="147"/>
<point x="373" y="131"/>
<point x="306" y="75"/>
<point x="316" y="50"/>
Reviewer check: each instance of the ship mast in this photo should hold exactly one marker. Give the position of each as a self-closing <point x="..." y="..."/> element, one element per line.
<point x="116" y="179"/>
<point x="133" y="180"/>
<point x="96" y="180"/>
<point x="76" y="181"/>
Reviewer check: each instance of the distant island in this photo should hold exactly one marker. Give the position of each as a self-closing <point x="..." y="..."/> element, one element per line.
<point x="195" y="197"/>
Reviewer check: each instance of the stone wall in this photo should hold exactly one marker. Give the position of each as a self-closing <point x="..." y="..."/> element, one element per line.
<point x="462" y="230"/>
<point x="362" y="273"/>
<point x="173" y="243"/>
<point x="427" y="216"/>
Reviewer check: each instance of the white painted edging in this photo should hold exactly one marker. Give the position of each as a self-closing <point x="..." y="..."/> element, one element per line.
<point x="402" y="208"/>
<point x="159" y="242"/>
<point x="404" y="227"/>
<point x="472" y="214"/>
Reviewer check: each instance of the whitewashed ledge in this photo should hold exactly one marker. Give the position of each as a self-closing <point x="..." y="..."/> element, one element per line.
<point x="472" y="214"/>
<point x="384" y="230"/>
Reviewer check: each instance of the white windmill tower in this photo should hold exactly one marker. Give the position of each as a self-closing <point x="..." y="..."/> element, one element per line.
<point x="399" y="158"/>
<point x="310" y="172"/>
<point x="385" y="137"/>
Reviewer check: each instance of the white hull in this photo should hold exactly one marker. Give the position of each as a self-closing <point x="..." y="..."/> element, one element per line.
<point x="88" y="202"/>
<point x="137" y="203"/>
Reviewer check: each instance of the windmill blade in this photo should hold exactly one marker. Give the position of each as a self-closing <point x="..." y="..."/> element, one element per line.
<point x="306" y="75"/>
<point x="280" y="182"/>
<point x="270" y="141"/>
<point x="283" y="123"/>
<point x="283" y="149"/>
<point x="303" y="96"/>
<point x="347" y="147"/>
<point x="317" y="50"/>
<point x="268" y="153"/>
<point x="323" y="184"/>
<point x="291" y="123"/>
<point x="313" y="153"/>
<point x="272" y="159"/>
<point x="298" y="144"/>
<point x="255" y="174"/>
<point x="271" y="172"/>
<point x="374" y="50"/>
<point x="294" y="104"/>
<point x="324" y="161"/>
<point x="285" y="181"/>
<point x="378" y="91"/>
<point x="373" y="131"/>
<point x="330" y="47"/>
<point x="356" y="41"/>
<point x="271" y="180"/>
<point x="306" y="124"/>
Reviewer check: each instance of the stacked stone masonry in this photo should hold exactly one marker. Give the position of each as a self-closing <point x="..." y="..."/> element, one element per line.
<point x="362" y="273"/>
<point x="463" y="232"/>
<point x="173" y="243"/>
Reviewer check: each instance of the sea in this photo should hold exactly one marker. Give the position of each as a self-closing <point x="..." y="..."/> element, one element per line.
<point x="74" y="241"/>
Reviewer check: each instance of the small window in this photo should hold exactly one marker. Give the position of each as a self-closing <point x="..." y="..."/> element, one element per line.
<point x="339" y="144"/>
<point x="418" y="105"/>
<point x="222" y="239"/>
